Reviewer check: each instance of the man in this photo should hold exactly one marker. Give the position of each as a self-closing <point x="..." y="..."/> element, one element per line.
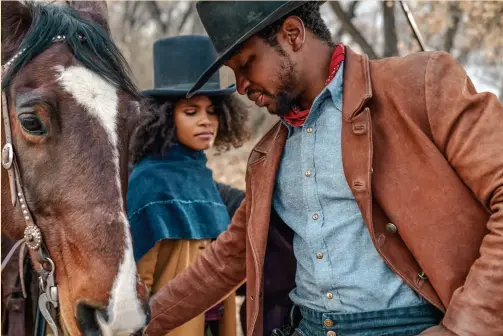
<point x="387" y="175"/>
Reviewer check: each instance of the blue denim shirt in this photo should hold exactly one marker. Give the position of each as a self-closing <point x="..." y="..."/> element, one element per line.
<point x="338" y="267"/>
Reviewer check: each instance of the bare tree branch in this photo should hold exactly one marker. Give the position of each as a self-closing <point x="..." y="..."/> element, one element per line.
<point x="156" y="13"/>
<point x="452" y="29"/>
<point x="389" y="29"/>
<point x="350" y="14"/>
<point x="197" y="27"/>
<point x="169" y="14"/>
<point x="186" y="15"/>
<point x="351" y="29"/>
<point x="140" y="15"/>
<point x="129" y="18"/>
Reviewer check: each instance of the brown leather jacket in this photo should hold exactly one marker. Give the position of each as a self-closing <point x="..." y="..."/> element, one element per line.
<point x="422" y="150"/>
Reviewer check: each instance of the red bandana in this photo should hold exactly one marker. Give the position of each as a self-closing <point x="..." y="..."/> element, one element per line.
<point x="296" y="117"/>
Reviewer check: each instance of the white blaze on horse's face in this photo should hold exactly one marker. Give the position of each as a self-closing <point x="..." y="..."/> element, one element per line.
<point x="100" y="99"/>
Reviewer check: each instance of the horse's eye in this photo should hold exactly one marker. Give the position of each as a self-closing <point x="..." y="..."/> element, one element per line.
<point x="32" y="124"/>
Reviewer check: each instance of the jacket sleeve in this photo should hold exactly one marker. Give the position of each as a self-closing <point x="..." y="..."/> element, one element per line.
<point x="231" y="197"/>
<point x="468" y="128"/>
<point x="215" y="273"/>
<point x="146" y="266"/>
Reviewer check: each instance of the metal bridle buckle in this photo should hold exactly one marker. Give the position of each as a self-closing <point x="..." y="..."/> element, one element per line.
<point x="33" y="237"/>
<point x="7" y="155"/>
<point x="49" y="294"/>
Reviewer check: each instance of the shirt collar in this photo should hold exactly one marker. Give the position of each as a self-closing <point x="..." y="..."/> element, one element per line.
<point x="333" y="89"/>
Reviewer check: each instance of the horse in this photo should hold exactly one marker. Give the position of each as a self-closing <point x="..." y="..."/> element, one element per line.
<point x="69" y="107"/>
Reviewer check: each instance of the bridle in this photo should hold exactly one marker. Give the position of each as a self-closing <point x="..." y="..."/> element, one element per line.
<point x="32" y="235"/>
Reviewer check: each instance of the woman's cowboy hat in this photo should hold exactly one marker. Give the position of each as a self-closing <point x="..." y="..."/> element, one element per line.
<point x="230" y="23"/>
<point x="178" y="62"/>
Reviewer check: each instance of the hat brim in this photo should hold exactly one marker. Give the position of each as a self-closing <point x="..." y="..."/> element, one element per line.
<point x="170" y="92"/>
<point x="276" y="15"/>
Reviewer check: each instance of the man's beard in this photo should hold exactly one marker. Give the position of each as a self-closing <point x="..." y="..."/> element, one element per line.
<point x="286" y="97"/>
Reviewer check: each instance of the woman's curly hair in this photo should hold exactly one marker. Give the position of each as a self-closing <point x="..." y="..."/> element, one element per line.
<point x="156" y="133"/>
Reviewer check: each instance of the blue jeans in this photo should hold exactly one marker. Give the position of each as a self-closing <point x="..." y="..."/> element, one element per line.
<point x="391" y="322"/>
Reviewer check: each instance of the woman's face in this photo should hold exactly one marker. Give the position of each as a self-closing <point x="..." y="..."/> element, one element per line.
<point x="196" y="122"/>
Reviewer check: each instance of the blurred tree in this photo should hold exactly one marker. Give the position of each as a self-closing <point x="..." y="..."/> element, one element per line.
<point x="472" y="31"/>
<point x="389" y="29"/>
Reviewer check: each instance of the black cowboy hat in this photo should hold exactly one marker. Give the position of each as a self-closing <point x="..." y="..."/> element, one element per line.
<point x="178" y="62"/>
<point x="230" y="23"/>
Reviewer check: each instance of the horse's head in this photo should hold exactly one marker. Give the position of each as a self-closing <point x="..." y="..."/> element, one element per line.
<point x="71" y="106"/>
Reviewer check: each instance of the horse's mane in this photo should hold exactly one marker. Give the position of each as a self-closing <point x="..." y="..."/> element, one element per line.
<point x="96" y="50"/>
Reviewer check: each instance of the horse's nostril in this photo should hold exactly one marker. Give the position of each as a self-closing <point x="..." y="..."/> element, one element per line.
<point x="87" y="319"/>
<point x="103" y="314"/>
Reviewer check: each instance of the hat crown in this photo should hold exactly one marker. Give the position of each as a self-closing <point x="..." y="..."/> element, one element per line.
<point x="180" y="60"/>
<point x="227" y="21"/>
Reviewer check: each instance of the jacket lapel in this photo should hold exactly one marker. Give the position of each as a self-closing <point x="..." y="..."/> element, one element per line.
<point x="262" y="170"/>
<point x="357" y="85"/>
<point x="357" y="132"/>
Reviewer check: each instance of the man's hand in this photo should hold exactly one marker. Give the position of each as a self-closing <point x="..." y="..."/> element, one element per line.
<point x="439" y="330"/>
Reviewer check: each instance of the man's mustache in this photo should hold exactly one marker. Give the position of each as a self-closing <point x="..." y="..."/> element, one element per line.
<point x="252" y="91"/>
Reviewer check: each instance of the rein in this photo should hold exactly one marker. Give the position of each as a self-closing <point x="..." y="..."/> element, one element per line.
<point x="32" y="234"/>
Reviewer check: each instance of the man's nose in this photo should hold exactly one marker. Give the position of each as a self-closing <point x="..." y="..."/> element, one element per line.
<point x="243" y="84"/>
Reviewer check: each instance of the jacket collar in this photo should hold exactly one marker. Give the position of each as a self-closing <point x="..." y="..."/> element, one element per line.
<point x="357" y="85"/>
<point x="268" y="140"/>
<point x="357" y="91"/>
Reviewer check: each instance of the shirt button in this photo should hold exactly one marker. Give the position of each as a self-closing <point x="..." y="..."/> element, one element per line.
<point x="330" y="296"/>
<point x="309" y="130"/>
<point x="308" y="173"/>
<point x="319" y="255"/>
<point x="328" y="323"/>
<point x="331" y="333"/>
<point x="316" y="216"/>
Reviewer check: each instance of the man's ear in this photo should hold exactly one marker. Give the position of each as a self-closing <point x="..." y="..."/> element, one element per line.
<point x="294" y="32"/>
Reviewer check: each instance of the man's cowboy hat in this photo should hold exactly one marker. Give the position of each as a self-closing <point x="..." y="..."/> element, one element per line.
<point x="178" y="62"/>
<point x="230" y="23"/>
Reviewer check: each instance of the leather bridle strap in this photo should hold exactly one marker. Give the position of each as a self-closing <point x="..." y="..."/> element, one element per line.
<point x="32" y="234"/>
<point x="8" y="149"/>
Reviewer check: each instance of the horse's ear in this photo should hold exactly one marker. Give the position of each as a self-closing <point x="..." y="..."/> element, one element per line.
<point x="16" y="21"/>
<point x="95" y="11"/>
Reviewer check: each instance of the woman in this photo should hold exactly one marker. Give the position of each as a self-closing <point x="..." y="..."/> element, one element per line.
<point x="174" y="205"/>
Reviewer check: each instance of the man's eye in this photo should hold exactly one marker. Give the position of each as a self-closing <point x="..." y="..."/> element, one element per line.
<point x="190" y="112"/>
<point x="247" y="64"/>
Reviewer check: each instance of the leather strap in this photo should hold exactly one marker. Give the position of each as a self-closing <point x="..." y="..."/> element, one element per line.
<point x="32" y="234"/>
<point x="16" y="308"/>
<point x="11" y="253"/>
<point x="8" y="150"/>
